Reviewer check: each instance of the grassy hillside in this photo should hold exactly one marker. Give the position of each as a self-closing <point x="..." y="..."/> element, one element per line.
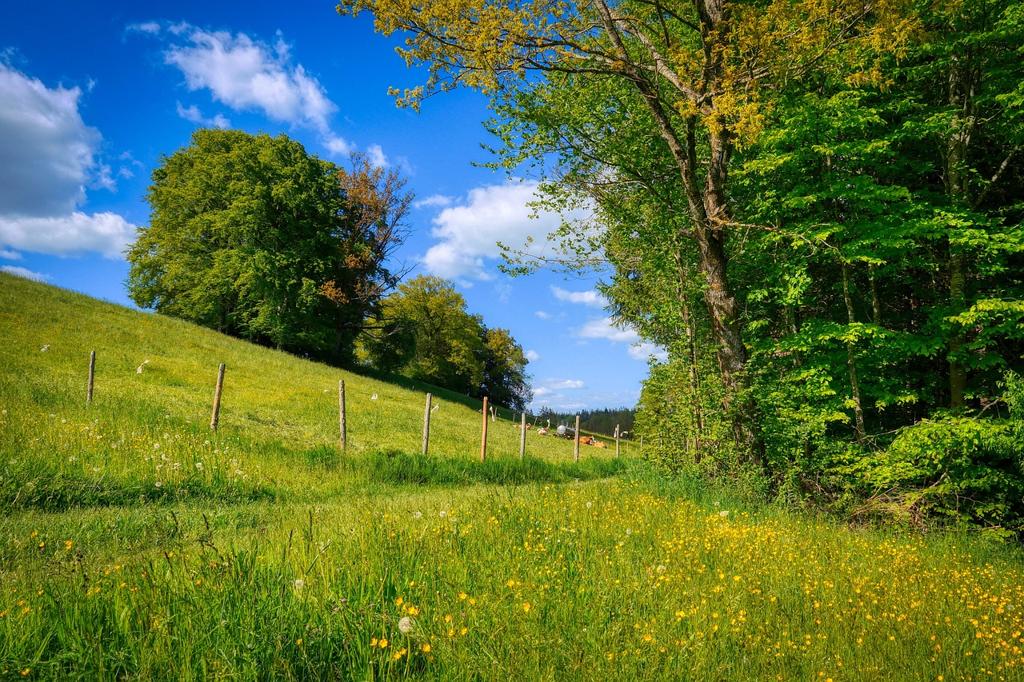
<point x="136" y="544"/>
<point x="147" y="431"/>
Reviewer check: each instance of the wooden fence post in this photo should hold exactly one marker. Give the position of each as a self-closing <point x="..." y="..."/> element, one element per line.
<point x="342" y="423"/>
<point x="483" y="437"/>
<point x="216" y="397"/>
<point x="426" y="424"/>
<point x="92" y="375"/>
<point x="576" y="443"/>
<point x="616" y="440"/>
<point x="522" y="437"/>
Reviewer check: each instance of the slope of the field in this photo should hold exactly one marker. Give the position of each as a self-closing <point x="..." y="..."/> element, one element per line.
<point x="147" y="430"/>
<point x="135" y="544"/>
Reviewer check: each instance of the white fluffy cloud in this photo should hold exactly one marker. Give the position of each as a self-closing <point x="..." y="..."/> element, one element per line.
<point x="8" y="254"/>
<point x="23" y="272"/>
<point x="645" y="350"/>
<point x="468" y="233"/>
<point x="376" y="156"/>
<point x="47" y="153"/>
<point x="563" y="384"/>
<point x="191" y="113"/>
<point x="550" y="392"/>
<point x="532" y="355"/>
<point x="66" y="235"/>
<point x="543" y="314"/>
<point x="434" y="200"/>
<point x="48" y="158"/>
<point x="591" y="297"/>
<point x="248" y="75"/>
<point x="604" y="328"/>
<point x="338" y="146"/>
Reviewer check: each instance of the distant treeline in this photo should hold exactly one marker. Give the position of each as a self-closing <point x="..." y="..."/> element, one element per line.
<point x="595" y="421"/>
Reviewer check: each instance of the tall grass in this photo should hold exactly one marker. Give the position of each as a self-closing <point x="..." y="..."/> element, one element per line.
<point x="596" y="580"/>
<point x="135" y="544"/>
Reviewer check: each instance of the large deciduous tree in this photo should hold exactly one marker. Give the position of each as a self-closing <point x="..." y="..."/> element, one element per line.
<point x="697" y="76"/>
<point x="254" y="237"/>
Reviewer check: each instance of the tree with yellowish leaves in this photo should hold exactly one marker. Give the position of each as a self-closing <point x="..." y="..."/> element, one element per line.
<point x="704" y="71"/>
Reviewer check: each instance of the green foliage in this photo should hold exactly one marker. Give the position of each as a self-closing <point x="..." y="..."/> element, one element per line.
<point x="280" y="556"/>
<point x="424" y="332"/>
<point x="966" y="471"/>
<point x="252" y="236"/>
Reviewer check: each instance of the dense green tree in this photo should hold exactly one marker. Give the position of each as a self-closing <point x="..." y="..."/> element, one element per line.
<point x="696" y="78"/>
<point x="424" y="332"/>
<point x="816" y="208"/>
<point x="253" y="236"/>
<point x="505" y="363"/>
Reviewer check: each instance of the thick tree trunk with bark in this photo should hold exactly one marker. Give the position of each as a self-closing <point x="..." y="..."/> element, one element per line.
<point x="962" y="86"/>
<point x="709" y="215"/>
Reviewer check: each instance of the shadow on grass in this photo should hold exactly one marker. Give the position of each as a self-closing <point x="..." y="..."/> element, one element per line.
<point x="390" y="466"/>
<point x="51" y="490"/>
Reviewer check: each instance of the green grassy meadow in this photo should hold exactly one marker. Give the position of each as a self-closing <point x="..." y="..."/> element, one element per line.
<point x="136" y="544"/>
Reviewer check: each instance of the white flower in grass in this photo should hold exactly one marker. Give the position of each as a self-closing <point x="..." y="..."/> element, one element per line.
<point x="724" y="513"/>
<point x="373" y="397"/>
<point x="159" y="484"/>
<point x="138" y="370"/>
<point x="406" y="625"/>
<point x="299" y="583"/>
<point x="442" y="513"/>
<point x="417" y="515"/>
<point x="44" y="348"/>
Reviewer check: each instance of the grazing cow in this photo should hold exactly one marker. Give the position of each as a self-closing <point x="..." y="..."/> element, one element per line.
<point x="542" y="431"/>
<point x="599" y="444"/>
<point x="586" y="440"/>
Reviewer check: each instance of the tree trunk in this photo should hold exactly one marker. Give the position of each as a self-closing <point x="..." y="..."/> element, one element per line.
<point x="851" y="365"/>
<point x="696" y="404"/>
<point x="963" y="81"/>
<point x="709" y="218"/>
<point x="958" y="298"/>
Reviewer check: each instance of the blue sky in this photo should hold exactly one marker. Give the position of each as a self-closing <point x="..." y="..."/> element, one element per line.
<point x="90" y="99"/>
